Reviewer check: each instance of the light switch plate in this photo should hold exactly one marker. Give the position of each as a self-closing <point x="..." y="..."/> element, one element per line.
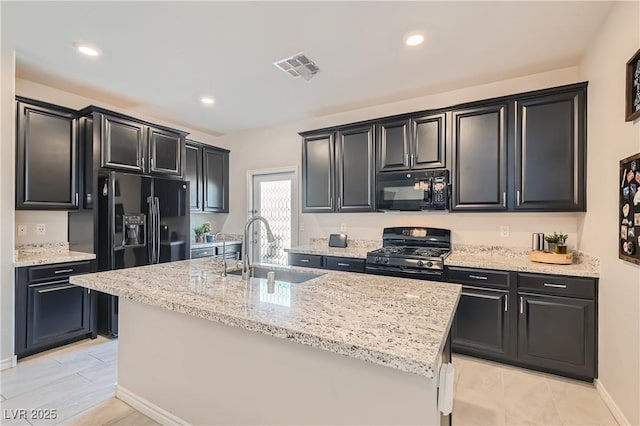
<point x="41" y="229"/>
<point x="22" y="229"/>
<point x="504" y="231"/>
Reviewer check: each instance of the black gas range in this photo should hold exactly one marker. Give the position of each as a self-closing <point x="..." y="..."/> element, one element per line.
<point x="412" y="252"/>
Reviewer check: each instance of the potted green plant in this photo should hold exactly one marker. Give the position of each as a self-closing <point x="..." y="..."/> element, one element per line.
<point x="206" y="228"/>
<point x="199" y="231"/>
<point x="557" y="242"/>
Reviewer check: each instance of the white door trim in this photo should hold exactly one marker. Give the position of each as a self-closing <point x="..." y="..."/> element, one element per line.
<point x="295" y="201"/>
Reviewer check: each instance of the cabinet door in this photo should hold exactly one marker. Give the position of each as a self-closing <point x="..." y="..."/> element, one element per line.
<point x="56" y="310"/>
<point x="481" y="324"/>
<point x="557" y="333"/>
<point x="216" y="180"/>
<point x="317" y="173"/>
<point x="193" y="173"/>
<point x="480" y="158"/>
<point x="47" y="155"/>
<point x="355" y="166"/>
<point x="550" y="152"/>
<point x="122" y="144"/>
<point x="393" y="145"/>
<point x="165" y="152"/>
<point x="428" y="141"/>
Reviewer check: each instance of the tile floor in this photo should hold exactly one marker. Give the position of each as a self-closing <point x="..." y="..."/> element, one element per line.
<point x="78" y="381"/>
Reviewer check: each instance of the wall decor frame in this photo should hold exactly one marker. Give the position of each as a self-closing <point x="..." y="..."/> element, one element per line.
<point x="629" y="210"/>
<point x="632" y="88"/>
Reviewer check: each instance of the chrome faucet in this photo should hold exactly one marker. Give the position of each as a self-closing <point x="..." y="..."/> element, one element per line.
<point x="224" y="253"/>
<point x="246" y="264"/>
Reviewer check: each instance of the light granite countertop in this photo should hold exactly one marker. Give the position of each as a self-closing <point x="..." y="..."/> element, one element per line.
<point x="214" y="244"/>
<point x="517" y="259"/>
<point x="355" y="248"/>
<point x="396" y="322"/>
<point x="47" y="254"/>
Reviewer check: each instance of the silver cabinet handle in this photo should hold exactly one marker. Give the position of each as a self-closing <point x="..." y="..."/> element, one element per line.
<point x="518" y="196"/>
<point x="343" y="264"/>
<point x="555" y="285"/>
<point x="521" y="305"/>
<point x="504" y="199"/>
<point x="77" y="200"/>
<point x="304" y="260"/>
<point x="339" y="201"/>
<point x="330" y="201"/>
<point x="506" y="302"/>
<point x="413" y="160"/>
<point x="478" y="277"/>
<point x="66" y="287"/>
<point x="63" y="271"/>
<point x="406" y="160"/>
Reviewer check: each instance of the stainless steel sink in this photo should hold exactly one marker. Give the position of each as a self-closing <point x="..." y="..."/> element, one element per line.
<point x="293" y="277"/>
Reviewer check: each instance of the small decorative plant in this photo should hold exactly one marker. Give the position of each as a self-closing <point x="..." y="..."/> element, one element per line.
<point x="199" y="231"/>
<point x="557" y="242"/>
<point x="206" y="228"/>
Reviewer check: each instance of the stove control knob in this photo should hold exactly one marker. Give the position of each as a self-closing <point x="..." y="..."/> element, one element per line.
<point x="429" y="264"/>
<point x="420" y="263"/>
<point x="385" y="260"/>
<point x="377" y="259"/>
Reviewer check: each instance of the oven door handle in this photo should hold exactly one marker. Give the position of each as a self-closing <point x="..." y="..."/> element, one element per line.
<point x="390" y="272"/>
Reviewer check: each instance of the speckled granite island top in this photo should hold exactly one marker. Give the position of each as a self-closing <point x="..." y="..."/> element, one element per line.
<point x="517" y="259"/>
<point x="355" y="248"/>
<point x="396" y="322"/>
<point x="47" y="254"/>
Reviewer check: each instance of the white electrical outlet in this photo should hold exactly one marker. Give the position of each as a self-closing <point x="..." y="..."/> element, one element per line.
<point x="22" y="229"/>
<point x="343" y="227"/>
<point x="504" y="231"/>
<point x="301" y="226"/>
<point x="41" y="229"/>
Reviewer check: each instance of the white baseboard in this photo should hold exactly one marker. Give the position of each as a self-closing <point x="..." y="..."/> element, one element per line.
<point x="8" y="362"/>
<point x="611" y="404"/>
<point x="148" y="408"/>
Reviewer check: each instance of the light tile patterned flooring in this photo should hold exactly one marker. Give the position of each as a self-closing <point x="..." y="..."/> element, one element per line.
<point x="78" y="381"/>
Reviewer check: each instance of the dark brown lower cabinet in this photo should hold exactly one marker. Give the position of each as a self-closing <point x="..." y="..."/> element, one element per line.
<point x="482" y="322"/>
<point x="557" y="333"/>
<point x="49" y="310"/>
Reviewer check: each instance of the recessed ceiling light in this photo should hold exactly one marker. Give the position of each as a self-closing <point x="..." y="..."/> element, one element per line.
<point x="85" y="49"/>
<point x="414" y="40"/>
<point x="207" y="100"/>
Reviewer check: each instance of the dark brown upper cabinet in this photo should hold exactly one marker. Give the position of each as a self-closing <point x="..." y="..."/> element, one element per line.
<point x="415" y="143"/>
<point x="355" y="169"/>
<point x="216" y="180"/>
<point x="165" y="152"/>
<point x="318" y="173"/>
<point x="47" y="157"/>
<point x="550" y="151"/>
<point x="193" y="173"/>
<point x="479" y="146"/>
<point x="123" y="144"/>
<point x="338" y="170"/>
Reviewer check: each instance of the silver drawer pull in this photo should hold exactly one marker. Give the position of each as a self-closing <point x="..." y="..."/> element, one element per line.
<point x="343" y="264"/>
<point x="66" y="287"/>
<point x="304" y="260"/>
<point x="555" y="285"/>
<point x="521" y="305"/>
<point x="63" y="271"/>
<point x="506" y="302"/>
<point x="478" y="277"/>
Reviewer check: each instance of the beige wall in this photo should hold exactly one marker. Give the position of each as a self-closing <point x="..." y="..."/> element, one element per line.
<point x="280" y="146"/>
<point x="610" y="140"/>
<point x="7" y="155"/>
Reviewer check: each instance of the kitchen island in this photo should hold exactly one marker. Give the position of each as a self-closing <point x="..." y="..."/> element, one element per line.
<point x="340" y="348"/>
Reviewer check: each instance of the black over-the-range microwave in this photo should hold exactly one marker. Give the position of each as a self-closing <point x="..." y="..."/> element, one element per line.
<point x="413" y="190"/>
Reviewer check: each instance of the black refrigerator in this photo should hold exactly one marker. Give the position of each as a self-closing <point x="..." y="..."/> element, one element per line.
<point x="141" y="221"/>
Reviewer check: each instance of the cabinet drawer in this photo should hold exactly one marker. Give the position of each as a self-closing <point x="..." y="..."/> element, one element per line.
<point x="309" y="260"/>
<point x="557" y="285"/>
<point x="60" y="270"/>
<point x="202" y="252"/>
<point x="228" y="249"/>
<point x="478" y="277"/>
<point x="344" y="264"/>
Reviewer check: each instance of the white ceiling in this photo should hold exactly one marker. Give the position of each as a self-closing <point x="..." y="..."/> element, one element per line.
<point x="162" y="56"/>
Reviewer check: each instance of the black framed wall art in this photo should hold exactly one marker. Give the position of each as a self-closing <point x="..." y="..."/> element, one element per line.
<point x="632" y="88"/>
<point x="629" y="210"/>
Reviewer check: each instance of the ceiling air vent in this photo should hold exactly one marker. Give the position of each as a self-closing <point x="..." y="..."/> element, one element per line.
<point x="298" y="66"/>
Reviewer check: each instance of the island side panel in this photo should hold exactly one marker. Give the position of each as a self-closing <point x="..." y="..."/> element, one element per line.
<point x="203" y="372"/>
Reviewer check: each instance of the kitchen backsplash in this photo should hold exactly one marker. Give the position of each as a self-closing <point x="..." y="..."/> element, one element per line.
<point x="55" y="227"/>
